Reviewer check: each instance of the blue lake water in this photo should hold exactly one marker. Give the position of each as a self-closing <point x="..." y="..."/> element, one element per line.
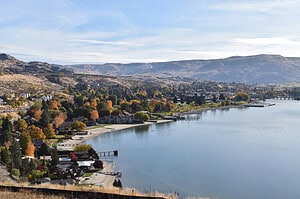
<point x="237" y="153"/>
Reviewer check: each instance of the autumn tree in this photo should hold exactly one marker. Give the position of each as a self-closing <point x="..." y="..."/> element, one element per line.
<point x="94" y="115"/>
<point x="54" y="104"/>
<point x="109" y="105"/>
<point x="141" y="116"/>
<point x="78" y="125"/>
<point x="59" y="120"/>
<point x="49" y="131"/>
<point x="94" y="103"/>
<point x="35" y="132"/>
<point x="21" y="125"/>
<point x="30" y="149"/>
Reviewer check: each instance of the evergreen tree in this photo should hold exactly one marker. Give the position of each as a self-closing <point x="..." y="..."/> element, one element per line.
<point x="5" y="156"/>
<point x="45" y="119"/>
<point x="44" y="150"/>
<point x="54" y="158"/>
<point x="15" y="151"/>
<point x="25" y="139"/>
<point x="45" y="105"/>
<point x="7" y="131"/>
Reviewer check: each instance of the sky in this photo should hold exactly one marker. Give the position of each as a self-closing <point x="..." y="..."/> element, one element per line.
<point x="96" y="31"/>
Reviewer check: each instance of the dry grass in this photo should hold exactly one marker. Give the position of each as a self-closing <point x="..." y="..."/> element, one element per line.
<point x="112" y="190"/>
<point x="25" y="83"/>
<point x="26" y="195"/>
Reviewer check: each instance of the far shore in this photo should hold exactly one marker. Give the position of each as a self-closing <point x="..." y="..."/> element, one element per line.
<point x="210" y="109"/>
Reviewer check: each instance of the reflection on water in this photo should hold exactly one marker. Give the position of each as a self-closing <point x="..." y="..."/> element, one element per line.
<point x="142" y="129"/>
<point x="241" y="153"/>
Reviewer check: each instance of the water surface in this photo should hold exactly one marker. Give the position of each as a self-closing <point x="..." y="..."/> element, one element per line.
<point x="236" y="153"/>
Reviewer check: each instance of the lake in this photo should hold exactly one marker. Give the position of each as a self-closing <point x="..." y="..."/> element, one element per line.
<point x="236" y="153"/>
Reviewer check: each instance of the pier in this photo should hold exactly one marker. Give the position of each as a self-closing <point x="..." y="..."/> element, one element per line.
<point x="108" y="153"/>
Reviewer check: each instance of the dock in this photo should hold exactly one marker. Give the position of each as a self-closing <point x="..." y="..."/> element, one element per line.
<point x="108" y="153"/>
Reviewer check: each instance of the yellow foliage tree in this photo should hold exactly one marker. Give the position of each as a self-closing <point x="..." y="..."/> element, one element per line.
<point x="35" y="132"/>
<point x="109" y="105"/>
<point x="49" y="131"/>
<point x="78" y="125"/>
<point x="21" y="125"/>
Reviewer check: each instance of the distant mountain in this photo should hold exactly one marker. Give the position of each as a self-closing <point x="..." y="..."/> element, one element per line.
<point x="255" y="69"/>
<point x="10" y="64"/>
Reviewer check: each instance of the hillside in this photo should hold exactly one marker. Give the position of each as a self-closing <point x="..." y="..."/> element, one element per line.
<point x="10" y="64"/>
<point x="256" y="69"/>
<point x="17" y="83"/>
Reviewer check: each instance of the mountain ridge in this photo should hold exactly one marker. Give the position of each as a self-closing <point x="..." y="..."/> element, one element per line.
<point x="253" y="69"/>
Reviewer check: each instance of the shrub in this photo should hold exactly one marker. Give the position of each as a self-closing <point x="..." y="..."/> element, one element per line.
<point x="15" y="172"/>
<point x="82" y="148"/>
<point x="98" y="164"/>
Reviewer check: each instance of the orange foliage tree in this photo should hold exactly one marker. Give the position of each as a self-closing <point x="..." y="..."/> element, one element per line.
<point x="94" y="115"/>
<point x="94" y="103"/>
<point x="59" y="120"/>
<point x="30" y="149"/>
<point x="54" y="105"/>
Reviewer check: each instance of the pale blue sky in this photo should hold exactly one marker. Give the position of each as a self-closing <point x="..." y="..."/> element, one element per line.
<point x="96" y="31"/>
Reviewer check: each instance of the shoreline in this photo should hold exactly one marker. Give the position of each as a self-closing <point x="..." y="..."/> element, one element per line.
<point x="211" y="109"/>
<point x="93" y="133"/>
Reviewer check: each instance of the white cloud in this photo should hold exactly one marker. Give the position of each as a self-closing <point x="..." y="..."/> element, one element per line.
<point x="266" y="41"/>
<point x="114" y="43"/>
<point x="260" y="6"/>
